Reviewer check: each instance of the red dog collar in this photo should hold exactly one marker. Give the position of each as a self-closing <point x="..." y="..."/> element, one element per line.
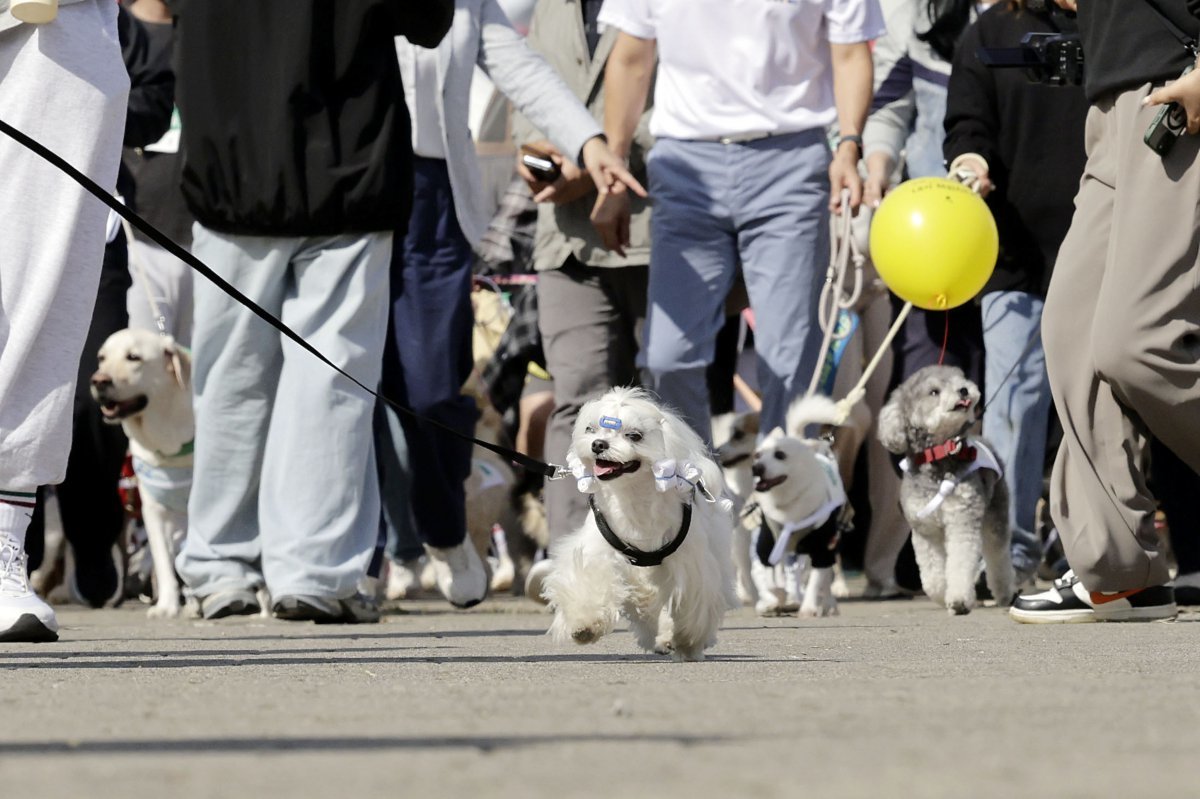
<point x="954" y="448"/>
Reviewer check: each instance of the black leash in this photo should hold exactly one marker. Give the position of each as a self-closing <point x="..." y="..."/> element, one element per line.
<point x="640" y="557"/>
<point x="524" y="461"/>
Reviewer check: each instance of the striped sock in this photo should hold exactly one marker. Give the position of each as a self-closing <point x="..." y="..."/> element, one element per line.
<point x="16" y="510"/>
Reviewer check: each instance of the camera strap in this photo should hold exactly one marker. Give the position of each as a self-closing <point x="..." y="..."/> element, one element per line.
<point x="1188" y="42"/>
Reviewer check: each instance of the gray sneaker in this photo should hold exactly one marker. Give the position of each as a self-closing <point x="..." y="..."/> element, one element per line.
<point x="356" y="609"/>
<point x="231" y="602"/>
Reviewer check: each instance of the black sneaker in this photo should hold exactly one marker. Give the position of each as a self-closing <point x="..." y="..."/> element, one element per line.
<point x="1068" y="602"/>
<point x="230" y="602"/>
<point x="357" y="609"/>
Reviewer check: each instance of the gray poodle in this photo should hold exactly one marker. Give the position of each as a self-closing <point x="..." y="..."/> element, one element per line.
<point x="953" y="491"/>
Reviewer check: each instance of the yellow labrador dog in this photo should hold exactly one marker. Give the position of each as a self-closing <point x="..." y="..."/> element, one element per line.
<point x="143" y="383"/>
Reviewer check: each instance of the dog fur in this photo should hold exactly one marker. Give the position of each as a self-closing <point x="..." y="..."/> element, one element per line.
<point x="934" y="405"/>
<point x="590" y="585"/>
<point x="143" y="383"/>
<point x="791" y="484"/>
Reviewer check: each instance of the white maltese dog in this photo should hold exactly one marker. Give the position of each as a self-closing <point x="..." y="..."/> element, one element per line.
<point x="657" y="540"/>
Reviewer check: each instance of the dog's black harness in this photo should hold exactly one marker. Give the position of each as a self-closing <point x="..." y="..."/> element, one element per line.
<point x="640" y="557"/>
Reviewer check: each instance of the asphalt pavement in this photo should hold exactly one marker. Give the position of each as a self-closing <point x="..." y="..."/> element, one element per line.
<point x="887" y="699"/>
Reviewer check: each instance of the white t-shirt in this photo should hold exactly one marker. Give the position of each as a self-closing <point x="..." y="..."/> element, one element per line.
<point x="737" y="67"/>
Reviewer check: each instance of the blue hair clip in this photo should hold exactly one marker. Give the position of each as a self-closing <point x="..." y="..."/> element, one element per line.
<point x="610" y="422"/>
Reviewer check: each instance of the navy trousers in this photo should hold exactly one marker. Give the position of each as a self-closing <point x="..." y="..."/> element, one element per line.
<point x="428" y="355"/>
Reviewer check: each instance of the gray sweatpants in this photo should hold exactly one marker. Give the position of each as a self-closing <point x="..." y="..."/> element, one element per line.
<point x="64" y="84"/>
<point x="285" y="489"/>
<point x="1121" y="329"/>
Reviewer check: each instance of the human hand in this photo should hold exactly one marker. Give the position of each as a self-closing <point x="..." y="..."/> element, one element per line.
<point x="608" y="170"/>
<point x="843" y="174"/>
<point x="972" y="171"/>
<point x="536" y="185"/>
<point x="1067" y="5"/>
<point x="1186" y="92"/>
<point x="572" y="183"/>
<point x="610" y="217"/>
<point x="879" y="177"/>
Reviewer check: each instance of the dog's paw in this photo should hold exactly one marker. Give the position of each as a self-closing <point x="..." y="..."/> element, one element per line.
<point x="818" y="611"/>
<point x="689" y="655"/>
<point x="586" y="635"/>
<point x="167" y="611"/>
<point x="958" y="608"/>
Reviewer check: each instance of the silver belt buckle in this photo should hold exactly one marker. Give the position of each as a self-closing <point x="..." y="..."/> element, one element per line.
<point x="742" y="138"/>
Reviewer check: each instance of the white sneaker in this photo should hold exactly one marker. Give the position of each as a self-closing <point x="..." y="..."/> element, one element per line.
<point x="461" y="576"/>
<point x="24" y="617"/>
<point x="404" y="578"/>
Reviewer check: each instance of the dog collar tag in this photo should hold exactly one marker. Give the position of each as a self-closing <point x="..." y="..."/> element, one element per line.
<point x="610" y="423"/>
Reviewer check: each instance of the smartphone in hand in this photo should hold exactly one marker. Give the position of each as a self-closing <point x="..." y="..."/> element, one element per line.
<point x="540" y="164"/>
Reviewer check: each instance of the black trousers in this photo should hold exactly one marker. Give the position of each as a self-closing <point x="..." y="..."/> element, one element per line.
<point x="92" y="515"/>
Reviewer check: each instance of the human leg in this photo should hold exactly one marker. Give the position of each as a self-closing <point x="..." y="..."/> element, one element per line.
<point x="158" y="274"/>
<point x="427" y="359"/>
<point x="319" y="525"/>
<point x="1139" y="321"/>
<point x="692" y="266"/>
<point x="1018" y="412"/>
<point x="589" y="319"/>
<point x="781" y="201"/>
<point x="236" y="361"/>
<point x="51" y="245"/>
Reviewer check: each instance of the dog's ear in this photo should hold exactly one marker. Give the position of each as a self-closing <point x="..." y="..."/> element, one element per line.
<point x="775" y="434"/>
<point x="893" y="430"/>
<point x="179" y="362"/>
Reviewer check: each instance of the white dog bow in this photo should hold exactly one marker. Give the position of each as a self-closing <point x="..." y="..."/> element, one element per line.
<point x="584" y="480"/>
<point x="684" y="478"/>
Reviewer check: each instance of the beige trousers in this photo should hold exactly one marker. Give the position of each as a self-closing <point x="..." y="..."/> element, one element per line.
<point x="1122" y="338"/>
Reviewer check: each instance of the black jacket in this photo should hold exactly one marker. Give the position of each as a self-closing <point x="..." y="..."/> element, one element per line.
<point x="293" y="115"/>
<point x="1032" y="138"/>
<point x="1126" y="44"/>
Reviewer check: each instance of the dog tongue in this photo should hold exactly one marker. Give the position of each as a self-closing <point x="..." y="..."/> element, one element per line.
<point x="605" y="467"/>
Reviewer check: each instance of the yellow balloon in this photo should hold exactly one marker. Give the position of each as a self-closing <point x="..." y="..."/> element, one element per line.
<point x="934" y="242"/>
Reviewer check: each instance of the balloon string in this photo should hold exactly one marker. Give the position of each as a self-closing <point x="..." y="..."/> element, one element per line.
<point x="945" y="339"/>
<point x="845" y="404"/>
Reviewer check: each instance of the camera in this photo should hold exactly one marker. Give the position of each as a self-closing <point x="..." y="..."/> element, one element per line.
<point x="1168" y="125"/>
<point x="1055" y="59"/>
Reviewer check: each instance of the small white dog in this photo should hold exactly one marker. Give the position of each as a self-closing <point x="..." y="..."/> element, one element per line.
<point x="800" y="492"/>
<point x="953" y="491"/>
<point x="653" y="546"/>
<point x="143" y="383"/>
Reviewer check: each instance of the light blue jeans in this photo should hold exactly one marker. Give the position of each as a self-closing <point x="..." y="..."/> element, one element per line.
<point x="761" y="206"/>
<point x="285" y="490"/>
<point x="1015" y="422"/>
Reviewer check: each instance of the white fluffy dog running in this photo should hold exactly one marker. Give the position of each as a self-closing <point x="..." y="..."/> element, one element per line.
<point x="953" y="491"/>
<point x="799" y="491"/>
<point x="143" y="384"/>
<point x="654" y="545"/>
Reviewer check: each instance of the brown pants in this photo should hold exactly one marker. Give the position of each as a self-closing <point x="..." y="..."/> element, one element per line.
<point x="1122" y="338"/>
